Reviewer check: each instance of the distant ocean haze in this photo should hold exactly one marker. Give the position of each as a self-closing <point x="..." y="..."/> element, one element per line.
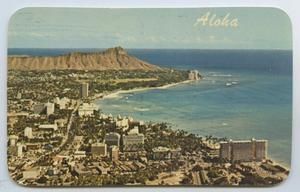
<point x="269" y="60"/>
<point x="258" y="105"/>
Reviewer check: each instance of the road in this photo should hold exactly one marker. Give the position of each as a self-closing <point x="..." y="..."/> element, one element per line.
<point x="69" y="125"/>
<point x="65" y="138"/>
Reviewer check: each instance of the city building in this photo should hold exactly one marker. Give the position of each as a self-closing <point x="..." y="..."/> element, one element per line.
<point x="160" y="153"/>
<point x="38" y="108"/>
<point x="84" y="93"/>
<point x="19" y="150"/>
<point x="48" y="127"/>
<point x="122" y="123"/>
<point x="87" y="109"/>
<point x="133" y="141"/>
<point x="33" y="173"/>
<point x="135" y="130"/>
<point x="194" y="75"/>
<point x="32" y="146"/>
<point x="99" y="149"/>
<point x="13" y="139"/>
<point x="28" y="132"/>
<point x="112" y="139"/>
<point x="79" y="154"/>
<point x="49" y="108"/>
<point x="62" y="103"/>
<point x="114" y="153"/>
<point x="243" y="150"/>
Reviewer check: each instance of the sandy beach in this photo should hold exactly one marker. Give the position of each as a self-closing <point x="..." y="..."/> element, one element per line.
<point x="116" y="94"/>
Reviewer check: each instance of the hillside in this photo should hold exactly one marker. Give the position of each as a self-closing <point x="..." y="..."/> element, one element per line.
<point x="110" y="59"/>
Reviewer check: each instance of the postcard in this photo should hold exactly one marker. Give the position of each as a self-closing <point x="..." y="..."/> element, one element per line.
<point x="149" y="97"/>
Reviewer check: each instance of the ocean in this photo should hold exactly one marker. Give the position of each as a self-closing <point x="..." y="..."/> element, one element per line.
<point x="256" y="103"/>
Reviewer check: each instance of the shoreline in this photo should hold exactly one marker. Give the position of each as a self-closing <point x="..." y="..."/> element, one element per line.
<point x="115" y="94"/>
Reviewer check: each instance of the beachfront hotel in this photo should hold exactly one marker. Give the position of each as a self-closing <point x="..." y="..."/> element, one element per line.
<point x="133" y="139"/>
<point x="243" y="150"/>
<point x="87" y="109"/>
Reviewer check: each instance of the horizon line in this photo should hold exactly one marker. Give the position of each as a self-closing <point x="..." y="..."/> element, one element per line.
<point x="273" y="49"/>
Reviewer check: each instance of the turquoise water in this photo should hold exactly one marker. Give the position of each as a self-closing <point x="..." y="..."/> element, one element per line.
<point x="259" y="106"/>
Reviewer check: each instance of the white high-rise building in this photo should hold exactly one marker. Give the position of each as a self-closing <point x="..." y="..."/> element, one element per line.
<point x="49" y="108"/>
<point x="28" y="132"/>
<point x="244" y="150"/>
<point x="19" y="150"/>
<point x="84" y="93"/>
<point x="12" y="140"/>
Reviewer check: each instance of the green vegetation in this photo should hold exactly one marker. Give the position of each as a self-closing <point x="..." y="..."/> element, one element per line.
<point x="44" y="85"/>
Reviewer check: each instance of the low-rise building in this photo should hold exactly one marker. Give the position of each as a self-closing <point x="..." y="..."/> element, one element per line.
<point x="112" y="139"/>
<point x="38" y="108"/>
<point x="160" y="153"/>
<point x="99" y="149"/>
<point x="87" y="109"/>
<point x="32" y="146"/>
<point x="79" y="154"/>
<point x="48" y="127"/>
<point x="163" y="153"/>
<point x="33" y="173"/>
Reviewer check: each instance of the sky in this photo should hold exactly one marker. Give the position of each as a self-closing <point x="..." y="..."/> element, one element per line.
<point x="189" y="28"/>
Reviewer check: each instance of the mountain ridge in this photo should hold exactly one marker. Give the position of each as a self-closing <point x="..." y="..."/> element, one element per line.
<point x="115" y="58"/>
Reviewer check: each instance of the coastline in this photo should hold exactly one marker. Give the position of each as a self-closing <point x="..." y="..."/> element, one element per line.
<point x="115" y="94"/>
